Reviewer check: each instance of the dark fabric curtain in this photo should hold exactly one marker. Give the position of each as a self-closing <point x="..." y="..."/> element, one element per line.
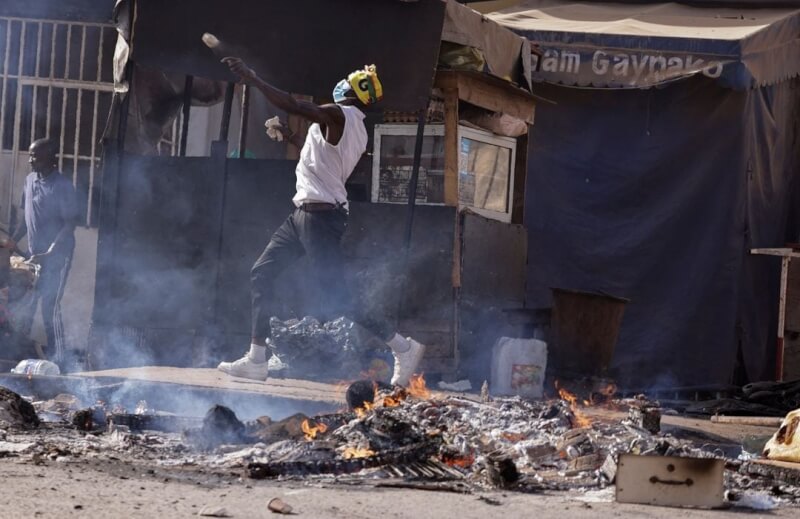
<point x="657" y="195"/>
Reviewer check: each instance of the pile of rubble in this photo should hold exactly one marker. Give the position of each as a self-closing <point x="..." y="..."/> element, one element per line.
<point x="448" y="441"/>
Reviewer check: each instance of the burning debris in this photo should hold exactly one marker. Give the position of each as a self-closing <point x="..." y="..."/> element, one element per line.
<point x="388" y="432"/>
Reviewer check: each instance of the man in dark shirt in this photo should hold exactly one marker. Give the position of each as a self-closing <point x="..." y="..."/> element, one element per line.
<point x="50" y="214"/>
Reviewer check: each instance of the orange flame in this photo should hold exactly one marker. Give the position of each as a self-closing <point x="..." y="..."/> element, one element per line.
<point x="312" y="431"/>
<point x="417" y="388"/>
<point x="361" y="412"/>
<point x="357" y="452"/>
<point x="581" y="420"/>
<point x="460" y="461"/>
<point x="393" y="400"/>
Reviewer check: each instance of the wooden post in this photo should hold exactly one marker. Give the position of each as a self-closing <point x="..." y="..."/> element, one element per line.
<point x="451" y="147"/>
<point x="786" y="256"/>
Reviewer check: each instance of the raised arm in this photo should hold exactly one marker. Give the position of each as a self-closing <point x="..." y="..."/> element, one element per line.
<point x="325" y="115"/>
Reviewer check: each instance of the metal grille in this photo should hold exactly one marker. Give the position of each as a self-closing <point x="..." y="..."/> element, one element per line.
<point x="56" y="81"/>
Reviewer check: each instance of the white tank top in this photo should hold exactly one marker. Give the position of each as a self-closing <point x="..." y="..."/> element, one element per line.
<point x="324" y="168"/>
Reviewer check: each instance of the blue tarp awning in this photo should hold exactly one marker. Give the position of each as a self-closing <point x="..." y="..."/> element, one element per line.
<point x="641" y="45"/>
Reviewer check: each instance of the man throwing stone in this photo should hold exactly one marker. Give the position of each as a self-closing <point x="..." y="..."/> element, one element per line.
<point x="335" y="142"/>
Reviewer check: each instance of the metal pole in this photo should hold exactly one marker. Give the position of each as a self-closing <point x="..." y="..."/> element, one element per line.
<point x="225" y="126"/>
<point x="187" y="107"/>
<point x="244" y="120"/>
<point x="414" y="181"/>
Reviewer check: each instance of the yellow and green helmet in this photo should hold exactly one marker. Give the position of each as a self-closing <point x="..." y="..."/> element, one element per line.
<point x="362" y="84"/>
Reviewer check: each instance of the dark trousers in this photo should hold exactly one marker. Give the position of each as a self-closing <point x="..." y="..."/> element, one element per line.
<point x="48" y="291"/>
<point x="318" y="236"/>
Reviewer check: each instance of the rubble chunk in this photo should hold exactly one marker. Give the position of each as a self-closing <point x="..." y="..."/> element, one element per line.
<point x="220" y="426"/>
<point x="213" y="511"/>
<point x="279" y="506"/>
<point x="15" y="411"/>
<point x="646" y="417"/>
<point x="609" y="468"/>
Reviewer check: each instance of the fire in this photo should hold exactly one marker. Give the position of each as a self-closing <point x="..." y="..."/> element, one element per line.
<point x="361" y="412"/>
<point x="463" y="462"/>
<point x="581" y="420"/>
<point x="393" y="400"/>
<point x="312" y="431"/>
<point x="417" y="388"/>
<point x="357" y="452"/>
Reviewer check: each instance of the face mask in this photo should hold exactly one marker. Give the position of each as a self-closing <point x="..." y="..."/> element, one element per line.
<point x="340" y="91"/>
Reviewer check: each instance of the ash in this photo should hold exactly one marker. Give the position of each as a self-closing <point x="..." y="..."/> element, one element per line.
<point x="443" y="442"/>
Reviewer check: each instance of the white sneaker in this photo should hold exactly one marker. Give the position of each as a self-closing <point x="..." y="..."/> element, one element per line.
<point x="407" y="362"/>
<point x="245" y="367"/>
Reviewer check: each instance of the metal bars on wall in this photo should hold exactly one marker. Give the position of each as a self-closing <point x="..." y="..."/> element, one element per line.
<point x="55" y="81"/>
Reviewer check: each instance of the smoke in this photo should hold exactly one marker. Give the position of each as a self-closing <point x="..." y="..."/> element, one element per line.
<point x="186" y="400"/>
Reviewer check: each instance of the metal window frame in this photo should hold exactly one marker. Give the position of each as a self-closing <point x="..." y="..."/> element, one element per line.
<point x="437" y="130"/>
<point x="88" y="81"/>
<point x="407" y="130"/>
<point x="502" y="142"/>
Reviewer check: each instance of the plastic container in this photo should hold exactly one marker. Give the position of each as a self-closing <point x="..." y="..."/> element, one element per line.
<point x="518" y="367"/>
<point x="36" y="367"/>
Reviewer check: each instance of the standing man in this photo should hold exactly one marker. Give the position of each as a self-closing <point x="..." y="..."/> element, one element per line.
<point x="50" y="213"/>
<point x="334" y="144"/>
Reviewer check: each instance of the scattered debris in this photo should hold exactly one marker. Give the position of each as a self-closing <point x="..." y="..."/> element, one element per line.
<point x="489" y="501"/>
<point x="362" y="392"/>
<point x="646" y="417"/>
<point x="153" y="422"/>
<point x="16" y="411"/>
<point x="783" y="472"/>
<point x="279" y="506"/>
<point x="220" y="426"/>
<point x="14" y="448"/>
<point x="267" y="431"/>
<point x="405" y="438"/>
<point x="751" y="500"/>
<point x="213" y="511"/>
